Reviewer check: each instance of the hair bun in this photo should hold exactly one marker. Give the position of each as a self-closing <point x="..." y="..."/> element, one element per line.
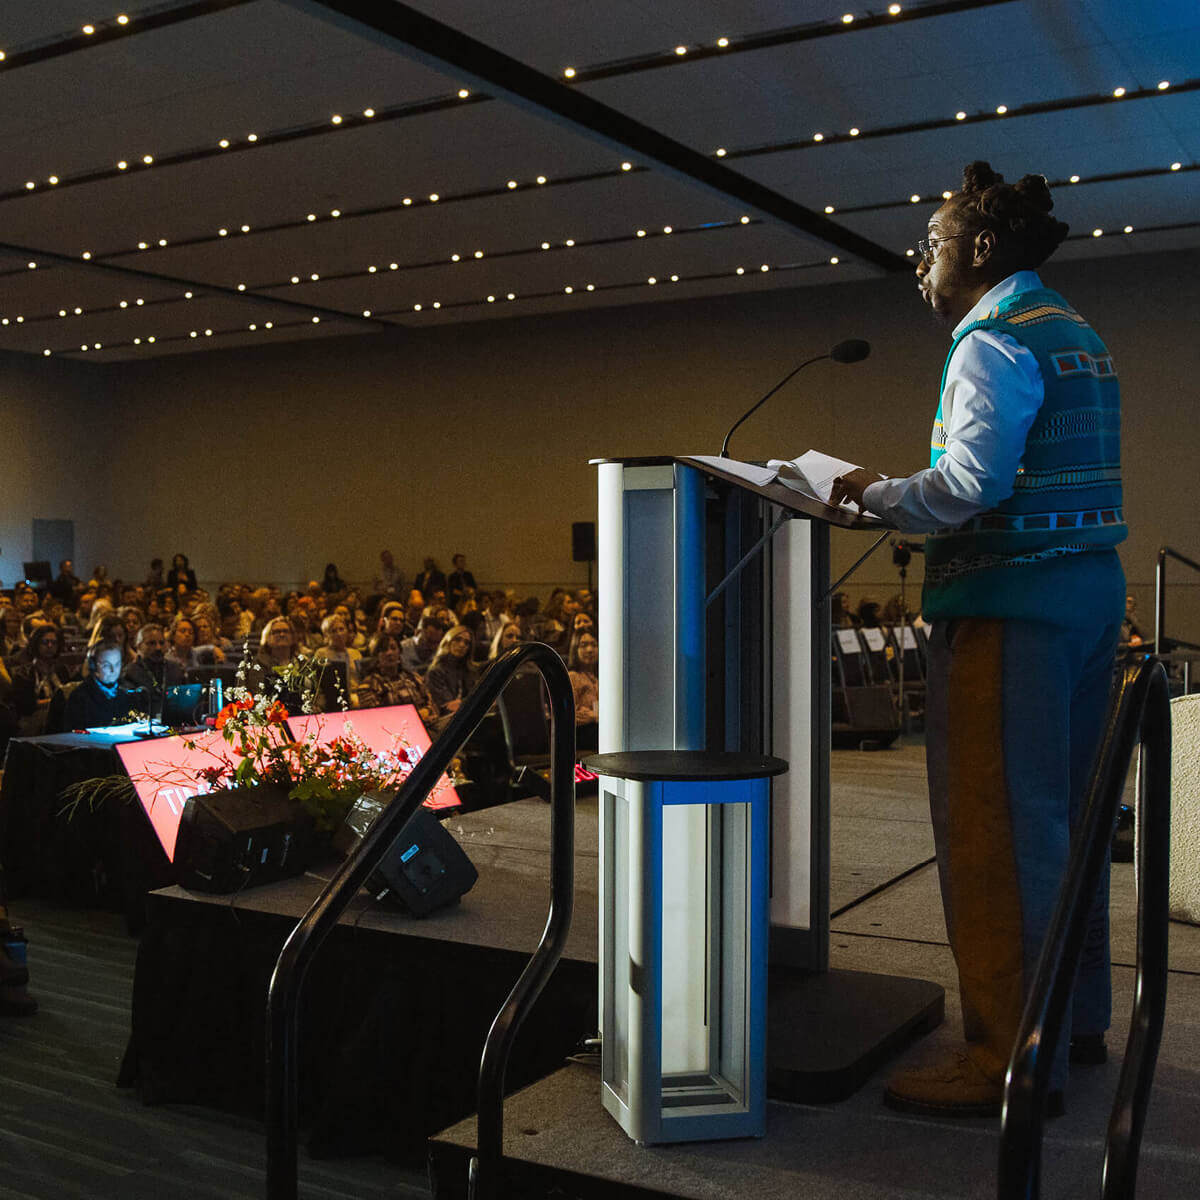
<point x="1036" y="191"/>
<point x="978" y="176"/>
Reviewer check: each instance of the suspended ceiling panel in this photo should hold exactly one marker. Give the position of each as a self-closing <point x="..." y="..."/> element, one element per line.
<point x="306" y="178"/>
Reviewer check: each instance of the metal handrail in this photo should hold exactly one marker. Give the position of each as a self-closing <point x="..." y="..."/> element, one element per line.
<point x="316" y="924"/>
<point x="1140" y="713"/>
<point x="1160" y="594"/>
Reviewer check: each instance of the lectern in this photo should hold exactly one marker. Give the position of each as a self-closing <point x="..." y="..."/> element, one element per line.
<point x="714" y="635"/>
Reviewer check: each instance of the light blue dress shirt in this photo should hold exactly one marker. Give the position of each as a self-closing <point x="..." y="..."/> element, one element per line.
<point x="992" y="394"/>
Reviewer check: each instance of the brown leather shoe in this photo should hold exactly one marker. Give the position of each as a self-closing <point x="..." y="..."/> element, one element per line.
<point x="954" y="1085"/>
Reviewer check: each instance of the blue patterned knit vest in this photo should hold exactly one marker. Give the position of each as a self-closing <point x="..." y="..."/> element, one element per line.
<point x="1067" y="493"/>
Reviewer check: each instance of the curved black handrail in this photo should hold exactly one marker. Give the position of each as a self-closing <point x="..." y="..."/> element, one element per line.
<point x="304" y="941"/>
<point x="1140" y="712"/>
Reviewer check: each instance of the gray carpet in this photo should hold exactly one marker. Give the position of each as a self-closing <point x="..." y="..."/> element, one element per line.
<point x="66" y="1131"/>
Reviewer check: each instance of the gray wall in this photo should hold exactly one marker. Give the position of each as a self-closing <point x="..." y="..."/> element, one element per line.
<point x="267" y="462"/>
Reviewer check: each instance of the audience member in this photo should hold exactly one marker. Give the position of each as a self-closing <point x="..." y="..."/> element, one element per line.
<point x="461" y="582"/>
<point x="417" y="652"/>
<point x="389" y="683"/>
<point x="110" y="630"/>
<point x="582" y="663"/>
<point x="429" y="580"/>
<point x="390" y="580"/>
<point x="35" y="682"/>
<point x="65" y="584"/>
<point x="331" y="581"/>
<point x="152" y="672"/>
<point x="183" y="643"/>
<point x="336" y="649"/>
<point x="12" y="639"/>
<point x="507" y="636"/>
<point x="451" y="675"/>
<point x="155" y="580"/>
<point x="181" y="573"/>
<point x="98" y="700"/>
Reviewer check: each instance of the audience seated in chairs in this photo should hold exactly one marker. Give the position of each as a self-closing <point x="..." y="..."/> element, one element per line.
<point x="110" y="629"/>
<point x="582" y="661"/>
<point x="389" y="683"/>
<point x="152" y="672"/>
<point x="335" y="631"/>
<point x="277" y="647"/>
<point x="506" y="637"/>
<point x="418" y="651"/>
<point x="35" y="682"/>
<point x="452" y="676"/>
<point x="98" y="699"/>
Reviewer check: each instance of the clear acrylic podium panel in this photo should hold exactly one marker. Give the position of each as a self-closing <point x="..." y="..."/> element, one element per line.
<point x="684" y="938"/>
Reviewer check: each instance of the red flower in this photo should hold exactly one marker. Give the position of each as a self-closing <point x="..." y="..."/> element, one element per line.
<point x="276" y="713"/>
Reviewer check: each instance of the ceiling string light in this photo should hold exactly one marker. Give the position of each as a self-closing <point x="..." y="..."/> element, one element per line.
<point x="310" y="277"/>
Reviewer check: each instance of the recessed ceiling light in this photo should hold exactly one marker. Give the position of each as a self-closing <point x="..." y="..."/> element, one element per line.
<point x="946" y="195"/>
<point x="569" y="72"/>
<point x="854" y="131"/>
<point x="847" y="18"/>
<point x="1074" y="179"/>
<point x="1163" y="84"/>
<point x="224" y="143"/>
<point x="829" y="208"/>
<point x="722" y="42"/>
<point x="368" y="112"/>
<point x="627" y="166"/>
<point x="1001" y="109"/>
<point x="89" y="29"/>
<point x="914" y="198"/>
<point x="366" y="312"/>
<point x="1097" y="232"/>
<point x="336" y="119"/>
<point x="1176" y="166"/>
<point x="818" y="137"/>
<point x="744" y="220"/>
<point x="1118" y="92"/>
<point x="463" y="93"/>
<point x="122" y="19"/>
<point x="960" y="115"/>
<point x="834" y="260"/>
<point x="147" y="159"/>
<point x="53" y="179"/>
<point x="434" y="197"/>
<point x="740" y="271"/>
<point x="681" y="50"/>
<point x="1128" y="228"/>
<point x="541" y="179"/>
<point x="894" y="10"/>
<point x="252" y="137"/>
<point x="721" y="152"/>
<point x="512" y="183"/>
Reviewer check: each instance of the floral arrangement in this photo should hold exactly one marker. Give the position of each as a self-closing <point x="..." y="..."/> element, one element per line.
<point x="257" y="748"/>
<point x="327" y="777"/>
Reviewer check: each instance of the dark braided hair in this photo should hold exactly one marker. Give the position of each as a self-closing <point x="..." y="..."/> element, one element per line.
<point x="1019" y="213"/>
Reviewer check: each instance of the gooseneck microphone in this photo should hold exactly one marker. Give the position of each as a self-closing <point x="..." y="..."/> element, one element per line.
<point x="852" y="350"/>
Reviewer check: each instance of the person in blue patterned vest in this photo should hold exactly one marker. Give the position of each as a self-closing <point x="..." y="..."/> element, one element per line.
<point x="1025" y="595"/>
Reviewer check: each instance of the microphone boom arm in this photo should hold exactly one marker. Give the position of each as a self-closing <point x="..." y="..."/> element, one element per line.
<point x="752" y="411"/>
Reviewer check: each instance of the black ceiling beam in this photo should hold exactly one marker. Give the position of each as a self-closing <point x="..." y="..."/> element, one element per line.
<point x="199" y="288"/>
<point x="441" y="46"/>
<point x="773" y="38"/>
<point x="109" y="30"/>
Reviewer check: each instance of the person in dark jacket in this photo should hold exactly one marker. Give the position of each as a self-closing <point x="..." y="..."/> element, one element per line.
<point x="99" y="700"/>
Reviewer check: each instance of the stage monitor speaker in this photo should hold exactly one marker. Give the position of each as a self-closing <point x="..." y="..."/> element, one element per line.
<point x="583" y="541"/>
<point x="242" y="836"/>
<point x="425" y="868"/>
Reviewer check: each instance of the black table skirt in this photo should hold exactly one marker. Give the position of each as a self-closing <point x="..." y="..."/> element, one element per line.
<point x="105" y="858"/>
<point x="391" y="1028"/>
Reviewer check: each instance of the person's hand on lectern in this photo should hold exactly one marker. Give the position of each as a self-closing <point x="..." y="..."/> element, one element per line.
<point x="852" y="485"/>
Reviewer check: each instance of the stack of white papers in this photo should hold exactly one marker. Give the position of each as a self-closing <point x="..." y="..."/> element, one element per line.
<point x="812" y="474"/>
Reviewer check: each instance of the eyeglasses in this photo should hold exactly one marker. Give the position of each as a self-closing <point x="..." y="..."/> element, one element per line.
<point x="927" y="247"/>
